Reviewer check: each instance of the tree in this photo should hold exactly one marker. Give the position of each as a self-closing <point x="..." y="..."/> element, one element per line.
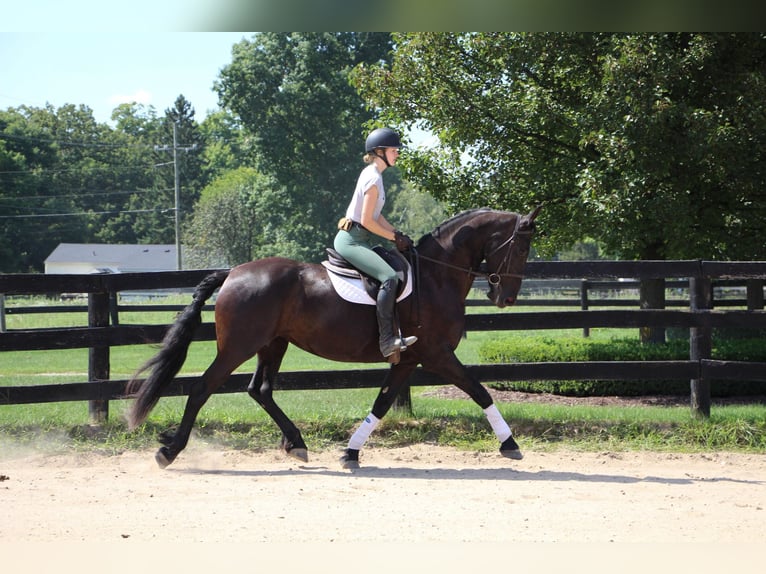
<point x="157" y="224"/>
<point x="134" y="165"/>
<point x="226" y="145"/>
<point x="651" y="144"/>
<point x="306" y="122"/>
<point x="414" y="211"/>
<point x="63" y="184"/>
<point x="232" y="222"/>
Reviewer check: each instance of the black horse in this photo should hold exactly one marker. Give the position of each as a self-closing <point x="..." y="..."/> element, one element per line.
<point x="266" y="304"/>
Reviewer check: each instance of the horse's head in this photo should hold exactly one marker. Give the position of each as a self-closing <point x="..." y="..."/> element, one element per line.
<point x="506" y="258"/>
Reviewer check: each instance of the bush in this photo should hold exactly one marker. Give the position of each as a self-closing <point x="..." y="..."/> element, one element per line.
<point x="540" y="349"/>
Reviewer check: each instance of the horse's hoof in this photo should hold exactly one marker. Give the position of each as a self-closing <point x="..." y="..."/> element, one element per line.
<point x="510" y="449"/>
<point x="347" y="464"/>
<point x="301" y="454"/>
<point x="350" y="459"/>
<point x="514" y="454"/>
<point x="162" y="460"/>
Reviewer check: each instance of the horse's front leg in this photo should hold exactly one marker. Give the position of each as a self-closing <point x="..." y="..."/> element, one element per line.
<point x="392" y="384"/>
<point x="453" y="371"/>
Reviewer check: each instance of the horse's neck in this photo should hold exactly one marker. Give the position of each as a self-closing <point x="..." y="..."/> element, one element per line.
<point x="461" y="256"/>
<point x="459" y="242"/>
<point x="464" y="256"/>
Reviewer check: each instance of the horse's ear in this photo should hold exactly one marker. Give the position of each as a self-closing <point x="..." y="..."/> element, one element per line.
<point x="533" y="214"/>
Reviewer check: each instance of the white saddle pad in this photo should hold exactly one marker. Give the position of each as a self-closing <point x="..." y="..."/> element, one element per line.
<point x="352" y="290"/>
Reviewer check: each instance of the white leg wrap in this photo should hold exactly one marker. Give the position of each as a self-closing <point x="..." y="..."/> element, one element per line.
<point x="363" y="432"/>
<point x="497" y="422"/>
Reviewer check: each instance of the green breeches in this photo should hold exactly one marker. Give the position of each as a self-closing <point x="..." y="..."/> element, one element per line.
<point x="354" y="246"/>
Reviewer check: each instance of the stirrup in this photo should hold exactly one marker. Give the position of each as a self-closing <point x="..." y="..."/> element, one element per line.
<point x="401" y="344"/>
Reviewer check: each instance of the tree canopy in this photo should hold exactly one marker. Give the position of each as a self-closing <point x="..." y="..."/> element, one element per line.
<point x="66" y="178"/>
<point x="653" y="144"/>
<point x="648" y="145"/>
<point x="292" y="95"/>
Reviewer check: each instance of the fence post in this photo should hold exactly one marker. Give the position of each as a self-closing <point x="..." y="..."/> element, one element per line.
<point x="403" y="400"/>
<point x="652" y="296"/>
<point x="2" y="312"/>
<point x="754" y="294"/>
<point x="584" y="303"/>
<point x="113" y="311"/>
<point x="98" y="357"/>
<point x="700" y="342"/>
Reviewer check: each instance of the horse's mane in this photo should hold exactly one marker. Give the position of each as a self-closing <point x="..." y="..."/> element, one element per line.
<point x="455" y="222"/>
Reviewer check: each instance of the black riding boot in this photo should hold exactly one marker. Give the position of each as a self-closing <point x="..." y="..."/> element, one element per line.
<point x="390" y="342"/>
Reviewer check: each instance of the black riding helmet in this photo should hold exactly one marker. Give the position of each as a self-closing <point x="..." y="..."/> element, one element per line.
<point x="382" y="137"/>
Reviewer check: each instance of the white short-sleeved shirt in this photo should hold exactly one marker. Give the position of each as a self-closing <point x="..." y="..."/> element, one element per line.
<point x="370" y="176"/>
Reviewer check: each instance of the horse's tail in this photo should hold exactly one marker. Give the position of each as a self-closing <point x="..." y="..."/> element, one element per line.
<point x="168" y="361"/>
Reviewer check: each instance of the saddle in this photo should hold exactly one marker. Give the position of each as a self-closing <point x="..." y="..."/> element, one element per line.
<point x="339" y="266"/>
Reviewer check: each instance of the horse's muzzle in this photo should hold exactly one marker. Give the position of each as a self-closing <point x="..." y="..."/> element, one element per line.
<point x="499" y="301"/>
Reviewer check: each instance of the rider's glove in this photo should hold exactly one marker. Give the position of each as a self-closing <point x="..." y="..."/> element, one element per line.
<point x="403" y="241"/>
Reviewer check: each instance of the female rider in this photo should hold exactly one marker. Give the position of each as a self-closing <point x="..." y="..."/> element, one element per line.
<point x="363" y="220"/>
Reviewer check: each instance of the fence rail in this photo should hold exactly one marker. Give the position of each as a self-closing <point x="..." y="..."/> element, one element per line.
<point x="700" y="318"/>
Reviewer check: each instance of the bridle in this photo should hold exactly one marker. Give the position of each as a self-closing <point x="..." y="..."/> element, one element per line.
<point x="494" y="277"/>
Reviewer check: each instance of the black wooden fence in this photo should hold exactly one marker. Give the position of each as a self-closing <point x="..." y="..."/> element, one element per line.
<point x="700" y="318"/>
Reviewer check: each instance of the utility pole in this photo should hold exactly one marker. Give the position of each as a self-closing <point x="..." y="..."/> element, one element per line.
<point x="177" y="178"/>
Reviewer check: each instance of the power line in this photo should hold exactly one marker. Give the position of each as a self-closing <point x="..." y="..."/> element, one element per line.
<point x="80" y="213"/>
<point x="88" y="169"/>
<point x="101" y="193"/>
<point x="72" y="143"/>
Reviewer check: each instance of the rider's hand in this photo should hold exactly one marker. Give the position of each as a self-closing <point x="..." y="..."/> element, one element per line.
<point x="403" y="241"/>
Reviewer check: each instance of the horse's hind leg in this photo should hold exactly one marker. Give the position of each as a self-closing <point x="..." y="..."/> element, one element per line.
<point x="200" y="391"/>
<point x="261" y="389"/>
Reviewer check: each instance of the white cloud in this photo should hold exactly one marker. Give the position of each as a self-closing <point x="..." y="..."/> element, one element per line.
<point x="139" y="97"/>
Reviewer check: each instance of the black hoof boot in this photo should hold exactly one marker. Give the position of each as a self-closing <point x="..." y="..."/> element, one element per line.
<point x="167" y="437"/>
<point x="509" y="449"/>
<point x="350" y="459"/>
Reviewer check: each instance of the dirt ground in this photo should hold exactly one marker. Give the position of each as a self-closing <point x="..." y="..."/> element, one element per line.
<point x="420" y="497"/>
<point x="419" y="493"/>
<point x="414" y="508"/>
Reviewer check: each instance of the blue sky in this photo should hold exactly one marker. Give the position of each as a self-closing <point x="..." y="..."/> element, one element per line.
<point x="102" y="70"/>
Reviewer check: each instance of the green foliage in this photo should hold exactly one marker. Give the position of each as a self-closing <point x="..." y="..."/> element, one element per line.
<point x="651" y="144"/>
<point x="249" y="205"/>
<point x="415" y="212"/>
<point x="307" y="123"/>
<point x="57" y="179"/>
<point x="542" y="349"/>
<point x="158" y="225"/>
<point x="66" y="178"/>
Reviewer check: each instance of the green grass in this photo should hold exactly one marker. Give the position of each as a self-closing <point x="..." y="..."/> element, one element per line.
<point x="327" y="418"/>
